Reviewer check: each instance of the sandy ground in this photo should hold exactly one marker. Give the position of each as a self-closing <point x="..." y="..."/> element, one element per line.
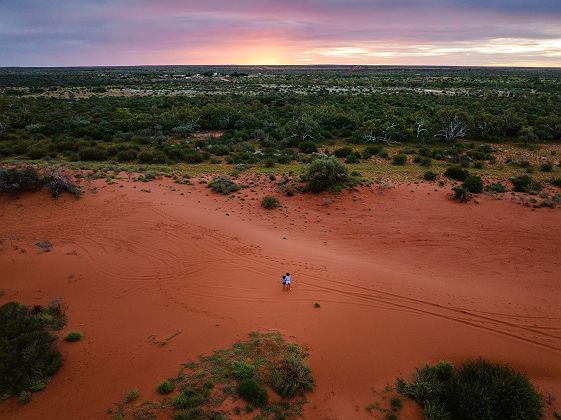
<point x="403" y="277"/>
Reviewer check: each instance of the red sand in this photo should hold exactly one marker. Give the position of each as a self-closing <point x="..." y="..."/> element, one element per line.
<point x="402" y="277"/>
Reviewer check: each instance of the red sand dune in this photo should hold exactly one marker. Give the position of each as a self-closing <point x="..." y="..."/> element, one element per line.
<point x="402" y="277"/>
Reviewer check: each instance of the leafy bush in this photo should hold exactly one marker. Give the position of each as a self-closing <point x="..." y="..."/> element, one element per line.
<point x="325" y="174"/>
<point x="343" y="152"/>
<point x="13" y="180"/>
<point x="400" y="159"/>
<point x="93" y="153"/>
<point x="291" y="376"/>
<point x="126" y="155"/>
<point x="371" y="150"/>
<point x="482" y="390"/>
<point x="29" y="358"/>
<point x="165" y="387"/>
<point x="473" y="184"/>
<point x="460" y="194"/>
<point x="496" y="187"/>
<point x="524" y="183"/>
<point x="270" y="202"/>
<point x="456" y="172"/>
<point x="396" y="403"/>
<point x="547" y="167"/>
<point x="223" y="185"/>
<point x="430" y="176"/>
<point x="354" y="157"/>
<point x="251" y="391"/>
<point x="479" y="390"/>
<point x="556" y="181"/>
<point x="308" y="146"/>
<point x="58" y="182"/>
<point x="73" y="336"/>
<point x="131" y="395"/>
<point x="243" y="370"/>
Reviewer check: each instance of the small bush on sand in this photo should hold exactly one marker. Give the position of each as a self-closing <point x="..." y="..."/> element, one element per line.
<point x="29" y="357"/>
<point x="547" y="167"/>
<point x="400" y="159"/>
<point x="430" y="176"/>
<point x="479" y="390"/>
<point x="73" y="336"/>
<point x="251" y="391"/>
<point x="165" y="387"/>
<point x="457" y="173"/>
<point x="524" y="183"/>
<point x="396" y="403"/>
<point x="325" y="174"/>
<point x="223" y="185"/>
<point x="496" y="187"/>
<point x="131" y="395"/>
<point x="243" y="370"/>
<point x="268" y="202"/>
<point x="14" y="180"/>
<point x="556" y="181"/>
<point x="460" y="194"/>
<point x="58" y="182"/>
<point x="292" y="375"/>
<point x="473" y="184"/>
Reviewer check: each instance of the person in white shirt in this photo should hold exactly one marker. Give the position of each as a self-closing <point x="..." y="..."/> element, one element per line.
<point x="287" y="280"/>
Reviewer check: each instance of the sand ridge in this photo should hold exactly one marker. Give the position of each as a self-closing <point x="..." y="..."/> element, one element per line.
<point x="403" y="277"/>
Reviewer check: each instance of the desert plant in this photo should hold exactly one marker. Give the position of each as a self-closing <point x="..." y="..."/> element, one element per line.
<point x="400" y="159"/>
<point x="547" y="167"/>
<point x="165" y="387"/>
<point x="456" y="172"/>
<point x="73" y="336"/>
<point x="524" y="183"/>
<point x="268" y="202"/>
<point x="325" y="174"/>
<point x="29" y="358"/>
<point x="243" y="370"/>
<point x="13" y="180"/>
<point x="131" y="395"/>
<point x="317" y="305"/>
<point x="223" y="185"/>
<point x="292" y="375"/>
<point x="396" y="403"/>
<point x="479" y="390"/>
<point x="473" y="184"/>
<point x="460" y="194"/>
<point x="251" y="391"/>
<point x="430" y="176"/>
<point x="496" y="187"/>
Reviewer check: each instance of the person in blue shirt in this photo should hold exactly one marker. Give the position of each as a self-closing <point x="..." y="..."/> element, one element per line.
<point x="287" y="281"/>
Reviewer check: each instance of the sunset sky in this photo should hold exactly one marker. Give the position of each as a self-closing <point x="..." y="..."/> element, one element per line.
<point x="416" y="32"/>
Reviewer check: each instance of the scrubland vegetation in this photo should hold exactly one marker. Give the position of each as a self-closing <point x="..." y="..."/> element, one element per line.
<point x="27" y="345"/>
<point x="314" y="120"/>
<point x="243" y="373"/>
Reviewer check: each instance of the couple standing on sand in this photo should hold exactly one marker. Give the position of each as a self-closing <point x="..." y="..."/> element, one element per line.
<point x="286" y="281"/>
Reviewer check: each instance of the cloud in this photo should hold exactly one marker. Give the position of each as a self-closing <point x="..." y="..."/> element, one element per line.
<point x="104" y="32"/>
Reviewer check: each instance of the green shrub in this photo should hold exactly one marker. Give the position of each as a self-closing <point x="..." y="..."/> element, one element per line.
<point x="243" y="370"/>
<point x="268" y="202"/>
<point x="460" y="194"/>
<point x="484" y="390"/>
<point x="456" y="172"/>
<point x="371" y="150"/>
<point x="524" y="183"/>
<point x="291" y="376"/>
<point x="131" y="395"/>
<point x="165" y="387"/>
<point x="343" y="152"/>
<point x="223" y="185"/>
<point x="430" y="176"/>
<point x="126" y="155"/>
<point x="194" y="413"/>
<point x="29" y="358"/>
<point x="24" y="397"/>
<point x="400" y="159"/>
<point x="556" y="181"/>
<point x="92" y="153"/>
<point x="547" y="167"/>
<point x="73" y="336"/>
<point x="479" y="390"/>
<point x="496" y="187"/>
<point x="14" y="180"/>
<point x="308" y="146"/>
<point x="317" y="305"/>
<point x="396" y="403"/>
<point x="473" y="184"/>
<point x="354" y="157"/>
<point x="252" y="392"/>
<point x="426" y="162"/>
<point x="325" y="174"/>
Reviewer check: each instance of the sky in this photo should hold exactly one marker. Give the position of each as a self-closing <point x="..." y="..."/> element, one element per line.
<point x="378" y="32"/>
